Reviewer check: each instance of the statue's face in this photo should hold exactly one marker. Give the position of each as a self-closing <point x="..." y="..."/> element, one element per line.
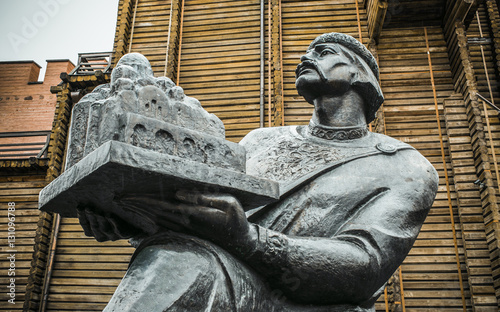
<point x="328" y="69"/>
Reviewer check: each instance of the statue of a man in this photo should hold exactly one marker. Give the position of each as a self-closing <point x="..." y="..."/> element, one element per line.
<point x="351" y="207"/>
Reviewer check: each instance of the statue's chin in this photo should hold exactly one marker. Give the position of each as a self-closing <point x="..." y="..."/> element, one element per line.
<point x="308" y="88"/>
<point x="307" y="96"/>
<point x="311" y="90"/>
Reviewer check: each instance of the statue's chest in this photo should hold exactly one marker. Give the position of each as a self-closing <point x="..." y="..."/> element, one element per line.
<point x="289" y="158"/>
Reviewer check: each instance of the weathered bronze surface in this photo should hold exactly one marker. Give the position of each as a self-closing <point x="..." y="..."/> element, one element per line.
<point x="351" y="205"/>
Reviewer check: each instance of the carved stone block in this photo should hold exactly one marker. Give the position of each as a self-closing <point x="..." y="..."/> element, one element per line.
<point x="116" y="170"/>
<point x="142" y="135"/>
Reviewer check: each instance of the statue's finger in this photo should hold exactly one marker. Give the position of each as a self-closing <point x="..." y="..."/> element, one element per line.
<point x="163" y="213"/>
<point x="178" y="213"/>
<point x="165" y="207"/>
<point x="192" y="217"/>
<point x="84" y="222"/>
<point x="95" y="224"/>
<point x="220" y="201"/>
<point x="188" y="197"/>
<point x="104" y="224"/>
<point x="122" y="229"/>
<point x="137" y="201"/>
<point x="234" y="213"/>
<point x="208" y="217"/>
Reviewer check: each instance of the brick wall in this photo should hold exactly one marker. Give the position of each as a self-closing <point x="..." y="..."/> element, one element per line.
<point x="25" y="103"/>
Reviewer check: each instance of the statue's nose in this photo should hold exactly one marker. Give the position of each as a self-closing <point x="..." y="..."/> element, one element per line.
<point x="306" y="57"/>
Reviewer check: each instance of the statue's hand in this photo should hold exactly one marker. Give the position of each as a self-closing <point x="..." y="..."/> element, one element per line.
<point x="216" y="217"/>
<point x="104" y="227"/>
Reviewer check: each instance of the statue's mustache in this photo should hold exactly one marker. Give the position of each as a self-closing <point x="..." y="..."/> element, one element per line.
<point x="313" y="65"/>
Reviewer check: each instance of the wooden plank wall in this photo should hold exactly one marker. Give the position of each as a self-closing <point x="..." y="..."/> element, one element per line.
<point x="430" y="277"/>
<point x="490" y="116"/>
<point x="466" y="62"/>
<point x="219" y="55"/>
<point x="150" y="31"/>
<point x="479" y="273"/>
<point x="219" y="65"/>
<point x="494" y="19"/>
<point x="482" y="80"/>
<point x="220" y="61"/>
<point x="302" y="21"/>
<point x="86" y="272"/>
<point x="22" y="189"/>
<point x="408" y="13"/>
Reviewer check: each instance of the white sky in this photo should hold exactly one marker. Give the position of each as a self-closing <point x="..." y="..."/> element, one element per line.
<point x="42" y="30"/>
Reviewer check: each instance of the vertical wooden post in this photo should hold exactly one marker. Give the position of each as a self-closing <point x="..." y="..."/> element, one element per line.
<point x="171" y="60"/>
<point x="50" y="262"/>
<point x="262" y="66"/>
<point x="269" y="62"/>
<point x="492" y="99"/>
<point x="282" y="91"/>
<point x="360" y="35"/>
<point x="278" y="117"/>
<point x="132" y="27"/>
<point x="179" y="45"/>
<point x="458" y="10"/>
<point x="37" y="269"/>
<point x="494" y="19"/>
<point x="122" y="30"/>
<point x="376" y="11"/>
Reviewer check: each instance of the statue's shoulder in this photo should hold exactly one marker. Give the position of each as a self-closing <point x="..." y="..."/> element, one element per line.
<point x="405" y="162"/>
<point x="383" y="139"/>
<point x="386" y="144"/>
<point x="263" y="137"/>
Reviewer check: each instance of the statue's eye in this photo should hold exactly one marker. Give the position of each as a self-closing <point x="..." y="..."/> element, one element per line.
<point x="326" y="51"/>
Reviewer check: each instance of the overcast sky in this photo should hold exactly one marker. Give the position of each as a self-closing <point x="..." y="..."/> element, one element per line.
<point x="41" y="30"/>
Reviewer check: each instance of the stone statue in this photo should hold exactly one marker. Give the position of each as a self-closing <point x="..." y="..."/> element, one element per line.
<point x="351" y="204"/>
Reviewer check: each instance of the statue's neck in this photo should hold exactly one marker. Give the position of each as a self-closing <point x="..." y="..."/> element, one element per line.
<point x="346" y="110"/>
